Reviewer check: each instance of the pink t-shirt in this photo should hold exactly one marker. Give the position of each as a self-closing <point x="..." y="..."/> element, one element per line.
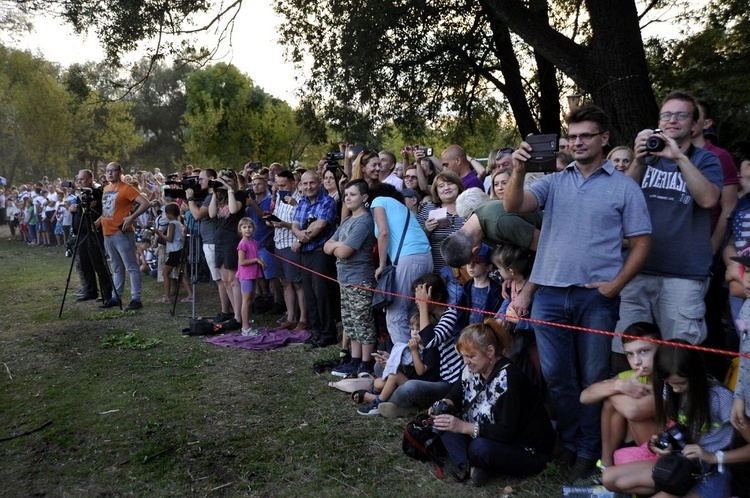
<point x="250" y="272"/>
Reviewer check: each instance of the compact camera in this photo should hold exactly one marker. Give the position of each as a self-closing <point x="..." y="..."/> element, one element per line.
<point x="654" y="143"/>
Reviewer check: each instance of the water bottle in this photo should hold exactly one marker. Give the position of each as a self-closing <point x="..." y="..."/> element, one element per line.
<point x="596" y="491"/>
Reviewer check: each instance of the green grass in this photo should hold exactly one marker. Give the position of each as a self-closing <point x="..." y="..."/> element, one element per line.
<point x="137" y="409"/>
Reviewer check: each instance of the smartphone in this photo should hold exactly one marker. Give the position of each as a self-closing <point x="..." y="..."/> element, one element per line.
<point x="543" y="153"/>
<point x="427" y="151"/>
<point x="379" y="356"/>
<point x="283" y="194"/>
<point x="272" y="218"/>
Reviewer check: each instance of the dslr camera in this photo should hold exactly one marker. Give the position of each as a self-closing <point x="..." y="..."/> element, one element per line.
<point x="673" y="438"/>
<point x="441" y="407"/>
<point x="654" y="143"/>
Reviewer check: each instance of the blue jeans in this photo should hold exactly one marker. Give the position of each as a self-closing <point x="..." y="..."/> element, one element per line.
<point x="419" y="393"/>
<point x="397" y="315"/>
<point x="493" y="456"/>
<point x="121" y="249"/>
<point x="573" y="360"/>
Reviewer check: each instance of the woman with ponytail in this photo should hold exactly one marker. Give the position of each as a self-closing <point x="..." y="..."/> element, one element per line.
<point x="500" y="426"/>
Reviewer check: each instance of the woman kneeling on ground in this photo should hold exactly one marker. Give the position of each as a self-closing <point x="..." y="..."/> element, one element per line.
<point x="502" y="426"/>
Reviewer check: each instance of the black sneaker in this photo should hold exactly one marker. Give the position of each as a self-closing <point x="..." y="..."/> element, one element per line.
<point x="479" y="477"/>
<point x="134" y="305"/>
<point x="345" y="370"/>
<point x="323" y="342"/>
<point x="222" y="317"/>
<point x="582" y="469"/>
<point x="110" y="303"/>
<point x="87" y="297"/>
<point x="231" y="324"/>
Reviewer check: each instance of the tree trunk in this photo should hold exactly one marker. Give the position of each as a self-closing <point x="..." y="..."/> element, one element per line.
<point x="549" y="93"/>
<point x="511" y="70"/>
<point x="612" y="68"/>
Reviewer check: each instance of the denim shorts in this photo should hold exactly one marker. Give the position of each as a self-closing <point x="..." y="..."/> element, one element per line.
<point x="713" y="485"/>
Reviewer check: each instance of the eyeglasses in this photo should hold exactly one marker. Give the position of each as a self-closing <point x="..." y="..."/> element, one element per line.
<point x="679" y="116"/>
<point x="410" y="177"/>
<point x="585" y="137"/>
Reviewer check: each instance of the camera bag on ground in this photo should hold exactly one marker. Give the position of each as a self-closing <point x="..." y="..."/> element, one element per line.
<point x="674" y="473"/>
<point x="422" y="443"/>
<point x="200" y="326"/>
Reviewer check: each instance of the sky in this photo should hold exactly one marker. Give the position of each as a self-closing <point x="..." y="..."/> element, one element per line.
<point x="256" y="51"/>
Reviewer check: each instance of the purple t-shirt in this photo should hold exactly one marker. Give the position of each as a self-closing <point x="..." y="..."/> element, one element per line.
<point x="471" y="181"/>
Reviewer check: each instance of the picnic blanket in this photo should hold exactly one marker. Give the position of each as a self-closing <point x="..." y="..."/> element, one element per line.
<point x="266" y="341"/>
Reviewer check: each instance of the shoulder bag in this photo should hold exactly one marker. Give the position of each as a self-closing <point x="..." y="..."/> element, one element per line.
<point x="385" y="289"/>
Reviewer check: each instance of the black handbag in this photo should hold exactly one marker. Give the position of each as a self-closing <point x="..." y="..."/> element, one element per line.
<point x="674" y="473"/>
<point x="383" y="296"/>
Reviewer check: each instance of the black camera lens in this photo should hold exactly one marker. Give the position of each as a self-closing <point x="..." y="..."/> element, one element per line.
<point x="654" y="143"/>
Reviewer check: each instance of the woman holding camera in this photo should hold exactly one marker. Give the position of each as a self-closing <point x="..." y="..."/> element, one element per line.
<point x="227" y="205"/>
<point x="497" y="423"/>
<point x="684" y="393"/>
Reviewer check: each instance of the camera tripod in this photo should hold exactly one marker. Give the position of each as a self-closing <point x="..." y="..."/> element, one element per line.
<point x="91" y="232"/>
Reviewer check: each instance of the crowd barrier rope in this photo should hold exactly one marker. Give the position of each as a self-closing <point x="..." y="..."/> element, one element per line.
<point x="527" y="319"/>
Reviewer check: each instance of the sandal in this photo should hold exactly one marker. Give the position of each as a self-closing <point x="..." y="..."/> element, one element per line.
<point x="162" y="300"/>
<point x="359" y="396"/>
<point x="187" y="299"/>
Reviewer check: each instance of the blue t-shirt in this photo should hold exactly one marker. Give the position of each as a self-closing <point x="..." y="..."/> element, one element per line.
<point x="681" y="242"/>
<point x="262" y="231"/>
<point x="415" y="241"/>
<point x="585" y="220"/>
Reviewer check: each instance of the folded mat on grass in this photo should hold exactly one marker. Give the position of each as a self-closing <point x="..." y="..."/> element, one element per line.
<point x="267" y="340"/>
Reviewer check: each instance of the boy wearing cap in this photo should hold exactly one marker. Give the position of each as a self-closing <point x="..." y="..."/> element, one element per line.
<point x="482" y="294"/>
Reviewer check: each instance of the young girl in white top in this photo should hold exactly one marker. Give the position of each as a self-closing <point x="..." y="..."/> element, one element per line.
<point x="174" y="239"/>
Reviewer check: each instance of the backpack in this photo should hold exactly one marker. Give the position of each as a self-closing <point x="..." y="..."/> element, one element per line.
<point x="422" y="443"/>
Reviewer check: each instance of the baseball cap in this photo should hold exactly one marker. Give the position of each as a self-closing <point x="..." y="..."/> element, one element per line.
<point x="410" y="192"/>
<point x="484" y="255"/>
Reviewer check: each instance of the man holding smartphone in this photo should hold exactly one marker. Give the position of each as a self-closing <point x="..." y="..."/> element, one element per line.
<point x="287" y="198"/>
<point x="579" y="272"/>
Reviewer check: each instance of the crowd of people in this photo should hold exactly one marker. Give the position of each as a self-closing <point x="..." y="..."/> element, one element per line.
<point x="503" y="280"/>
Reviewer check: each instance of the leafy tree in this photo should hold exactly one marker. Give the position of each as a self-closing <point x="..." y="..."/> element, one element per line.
<point x="103" y="129"/>
<point x="229" y="121"/>
<point x="158" y="107"/>
<point x="713" y="63"/>
<point x="410" y="60"/>
<point x="35" y="136"/>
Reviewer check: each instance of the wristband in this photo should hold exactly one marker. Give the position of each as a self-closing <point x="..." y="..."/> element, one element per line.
<point x="720" y="460"/>
<point x="192" y="199"/>
<point x="475" y="434"/>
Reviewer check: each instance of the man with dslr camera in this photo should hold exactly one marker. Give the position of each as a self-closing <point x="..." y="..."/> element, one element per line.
<point x="86" y="211"/>
<point x="681" y="183"/>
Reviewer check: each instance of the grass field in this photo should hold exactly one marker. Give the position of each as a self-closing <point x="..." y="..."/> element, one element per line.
<point x="122" y="404"/>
